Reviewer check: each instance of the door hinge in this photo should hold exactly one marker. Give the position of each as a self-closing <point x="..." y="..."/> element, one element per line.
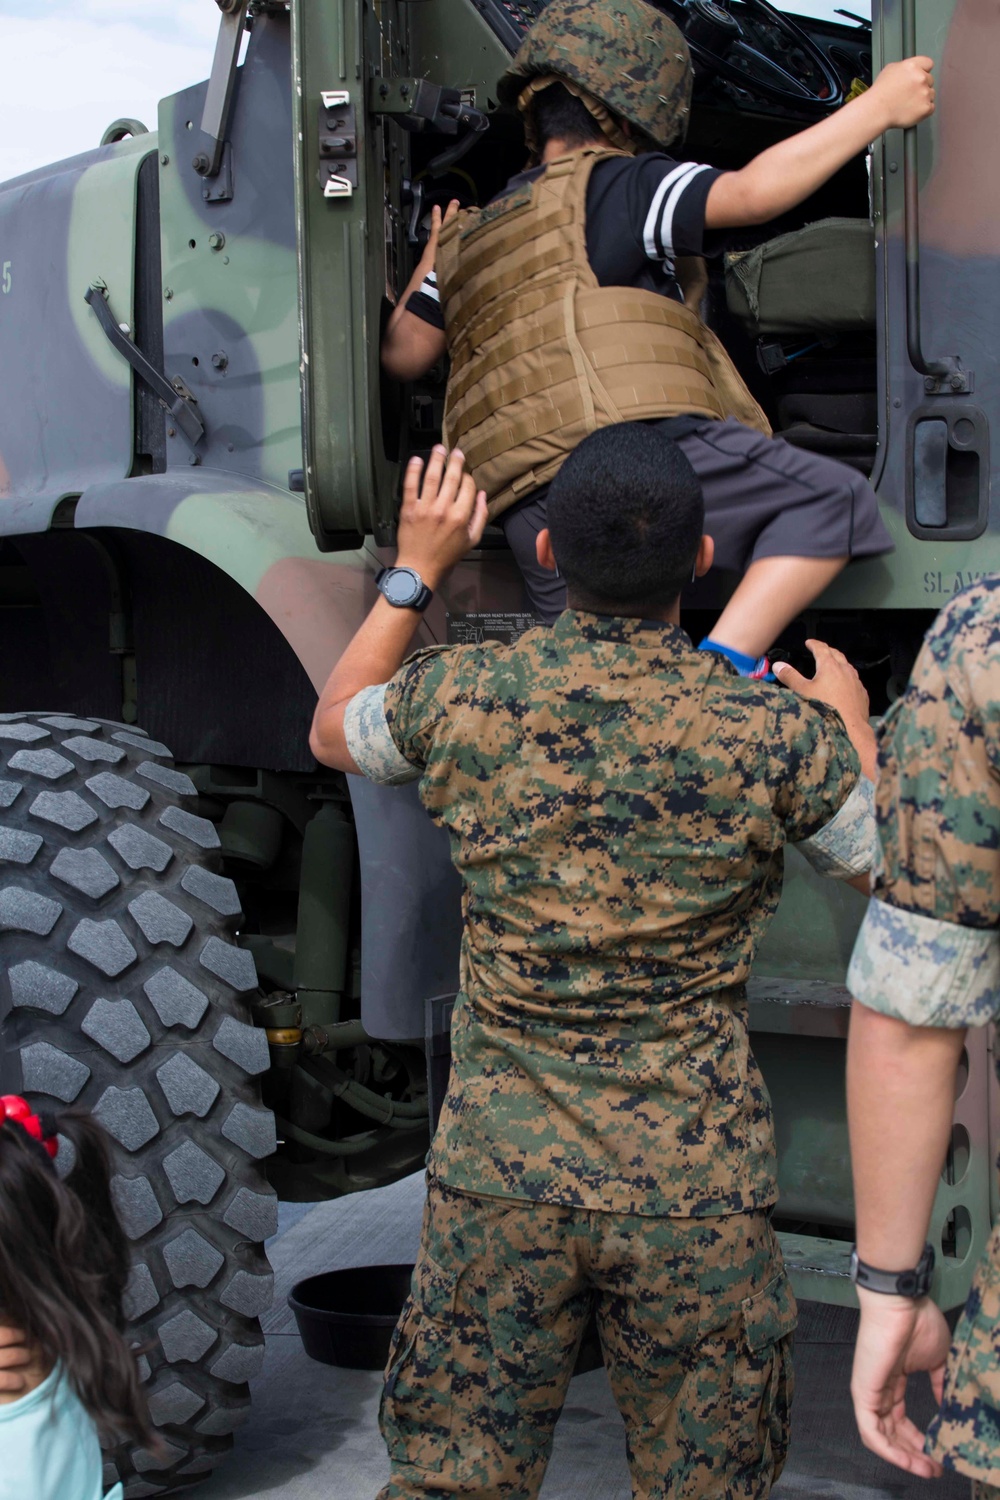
<point x="417" y="104"/>
<point x="338" y="144"/>
<point x="213" y="159"/>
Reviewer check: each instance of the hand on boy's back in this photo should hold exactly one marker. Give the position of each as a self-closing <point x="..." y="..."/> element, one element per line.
<point x="905" y="91"/>
<point x="16" y="1365"/>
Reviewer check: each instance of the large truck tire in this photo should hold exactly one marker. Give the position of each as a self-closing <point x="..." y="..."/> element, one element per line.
<point x="122" y="992"/>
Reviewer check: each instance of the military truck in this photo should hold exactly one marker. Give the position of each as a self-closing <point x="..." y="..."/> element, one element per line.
<point x="241" y="962"/>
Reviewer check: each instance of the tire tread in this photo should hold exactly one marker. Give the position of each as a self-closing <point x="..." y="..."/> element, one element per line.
<point x="135" y="995"/>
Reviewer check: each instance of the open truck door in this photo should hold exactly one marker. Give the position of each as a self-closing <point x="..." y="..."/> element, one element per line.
<point x="356" y="105"/>
<point x="937" y="234"/>
<point x="935" y="393"/>
<point x="348" y="179"/>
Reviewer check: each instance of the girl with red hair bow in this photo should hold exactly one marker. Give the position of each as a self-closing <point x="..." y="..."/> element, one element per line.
<point x="72" y="1380"/>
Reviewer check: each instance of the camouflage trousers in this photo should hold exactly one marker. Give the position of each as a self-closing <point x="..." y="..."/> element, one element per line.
<point x="984" y="1492"/>
<point x="695" y="1319"/>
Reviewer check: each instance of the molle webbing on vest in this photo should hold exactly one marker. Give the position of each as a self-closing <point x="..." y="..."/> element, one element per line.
<point x="541" y="355"/>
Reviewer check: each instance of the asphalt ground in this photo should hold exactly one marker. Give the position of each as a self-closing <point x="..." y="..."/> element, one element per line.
<point x="314" y="1432"/>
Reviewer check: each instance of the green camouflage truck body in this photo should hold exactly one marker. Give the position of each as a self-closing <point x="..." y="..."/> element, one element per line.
<point x="205" y="589"/>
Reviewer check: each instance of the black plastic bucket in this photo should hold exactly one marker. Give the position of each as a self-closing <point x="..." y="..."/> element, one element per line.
<point x="346" y="1317"/>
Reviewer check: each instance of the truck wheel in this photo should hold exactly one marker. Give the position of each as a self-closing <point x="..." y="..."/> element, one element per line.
<point x="122" y="992"/>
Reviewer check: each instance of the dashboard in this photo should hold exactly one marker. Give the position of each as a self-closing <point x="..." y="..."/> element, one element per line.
<point x="781" y="64"/>
<point x="510" y="19"/>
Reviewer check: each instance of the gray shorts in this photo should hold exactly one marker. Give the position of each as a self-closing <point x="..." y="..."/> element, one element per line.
<point x="763" y="498"/>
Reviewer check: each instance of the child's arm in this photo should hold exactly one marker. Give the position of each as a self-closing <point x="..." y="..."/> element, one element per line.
<point x="785" y="174"/>
<point x="410" y="345"/>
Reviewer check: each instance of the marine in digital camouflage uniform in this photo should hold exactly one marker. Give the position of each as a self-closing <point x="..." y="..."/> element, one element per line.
<point x="618" y="804"/>
<point x="928" y="953"/>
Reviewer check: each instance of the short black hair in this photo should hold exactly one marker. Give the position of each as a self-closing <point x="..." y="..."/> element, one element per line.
<point x="626" y="514"/>
<point x="558" y="115"/>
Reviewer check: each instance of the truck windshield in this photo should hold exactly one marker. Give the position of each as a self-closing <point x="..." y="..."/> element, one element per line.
<point x="828" y="10"/>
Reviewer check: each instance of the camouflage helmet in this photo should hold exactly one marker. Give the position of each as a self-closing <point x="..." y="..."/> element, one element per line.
<point x="625" y="54"/>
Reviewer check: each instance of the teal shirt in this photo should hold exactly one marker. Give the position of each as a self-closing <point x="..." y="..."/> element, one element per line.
<point x="49" y="1448"/>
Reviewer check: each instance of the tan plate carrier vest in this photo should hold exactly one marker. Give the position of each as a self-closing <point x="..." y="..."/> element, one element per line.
<point x="542" y="355"/>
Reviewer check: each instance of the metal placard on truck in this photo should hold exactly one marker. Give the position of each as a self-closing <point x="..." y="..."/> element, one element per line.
<point x="489" y="625"/>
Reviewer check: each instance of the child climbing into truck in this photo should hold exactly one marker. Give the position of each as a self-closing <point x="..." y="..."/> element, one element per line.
<point x="63" y="1267"/>
<point x="560" y="306"/>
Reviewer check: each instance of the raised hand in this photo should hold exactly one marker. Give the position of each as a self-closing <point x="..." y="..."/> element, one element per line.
<point x="441" y="517"/>
<point x="905" y="91"/>
<point x="837" y="683"/>
<point x="438" y="220"/>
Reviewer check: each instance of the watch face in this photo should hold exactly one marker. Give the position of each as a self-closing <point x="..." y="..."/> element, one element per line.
<point x="401" y="586"/>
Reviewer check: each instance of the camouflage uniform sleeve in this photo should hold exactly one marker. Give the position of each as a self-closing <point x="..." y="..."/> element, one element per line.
<point x="418" y="700"/>
<point x="370" y="741"/>
<point x="389" y="727"/>
<point x="929" y="951"/>
<point x="847" y="845"/>
<point x="824" y="803"/>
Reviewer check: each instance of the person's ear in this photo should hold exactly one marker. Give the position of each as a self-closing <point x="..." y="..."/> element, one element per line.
<point x="543" y="551"/>
<point x="705" y="556"/>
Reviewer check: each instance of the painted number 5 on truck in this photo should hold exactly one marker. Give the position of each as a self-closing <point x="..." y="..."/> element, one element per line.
<point x="5" y="277"/>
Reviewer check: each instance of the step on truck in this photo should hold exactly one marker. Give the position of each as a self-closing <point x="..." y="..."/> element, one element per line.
<point x="241" y="962"/>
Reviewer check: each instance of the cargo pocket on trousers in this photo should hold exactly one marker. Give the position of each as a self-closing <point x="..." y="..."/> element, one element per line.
<point x="415" y="1412"/>
<point x="764" y="1380"/>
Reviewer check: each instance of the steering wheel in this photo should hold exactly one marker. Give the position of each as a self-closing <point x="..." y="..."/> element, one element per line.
<point x="739" y="44"/>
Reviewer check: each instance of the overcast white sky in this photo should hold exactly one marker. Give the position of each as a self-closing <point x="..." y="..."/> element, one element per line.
<point x="70" y="67"/>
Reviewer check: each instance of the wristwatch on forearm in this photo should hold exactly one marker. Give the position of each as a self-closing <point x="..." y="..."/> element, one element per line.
<point x="403" y="588"/>
<point x="915" y="1283"/>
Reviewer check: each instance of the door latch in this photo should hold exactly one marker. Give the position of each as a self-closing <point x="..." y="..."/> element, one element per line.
<point x="174" y="396"/>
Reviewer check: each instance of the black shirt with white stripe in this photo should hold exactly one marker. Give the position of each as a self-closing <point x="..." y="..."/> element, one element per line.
<point x="426" y="302"/>
<point x="642" y="211"/>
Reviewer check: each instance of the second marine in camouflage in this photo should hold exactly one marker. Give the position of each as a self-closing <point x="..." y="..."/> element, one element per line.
<point x="926" y="967"/>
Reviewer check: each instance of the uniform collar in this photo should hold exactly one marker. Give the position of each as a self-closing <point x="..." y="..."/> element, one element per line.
<point x="621" y="630"/>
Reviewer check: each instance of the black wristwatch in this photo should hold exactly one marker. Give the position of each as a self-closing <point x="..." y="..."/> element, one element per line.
<point x="403" y="588"/>
<point x="915" y="1283"/>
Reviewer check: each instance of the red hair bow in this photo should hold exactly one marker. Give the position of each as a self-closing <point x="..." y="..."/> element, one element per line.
<point x="13" y="1107"/>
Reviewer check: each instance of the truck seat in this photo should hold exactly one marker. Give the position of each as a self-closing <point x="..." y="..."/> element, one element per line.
<point x="815" y="288"/>
<point x="816" y="280"/>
